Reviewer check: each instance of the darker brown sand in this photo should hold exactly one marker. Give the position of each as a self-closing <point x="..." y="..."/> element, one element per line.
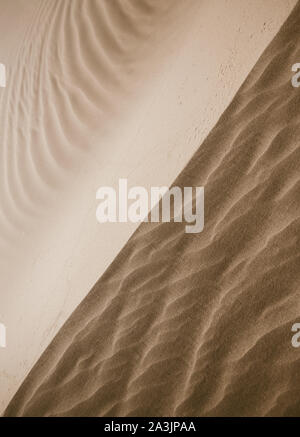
<point x="199" y="324"/>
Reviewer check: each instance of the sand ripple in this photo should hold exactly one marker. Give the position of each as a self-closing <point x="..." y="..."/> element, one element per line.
<point x="195" y="324"/>
<point x="76" y="57"/>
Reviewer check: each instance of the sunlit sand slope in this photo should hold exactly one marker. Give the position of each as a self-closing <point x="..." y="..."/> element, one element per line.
<point x="199" y="324"/>
<point x="66" y="84"/>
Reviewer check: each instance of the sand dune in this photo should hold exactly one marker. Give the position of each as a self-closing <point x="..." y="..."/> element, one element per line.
<point x="199" y="324"/>
<point x="74" y="70"/>
<point x="97" y="90"/>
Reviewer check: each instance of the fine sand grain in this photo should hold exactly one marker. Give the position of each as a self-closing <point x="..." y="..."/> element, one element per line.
<point x="199" y="324"/>
<point x="98" y="90"/>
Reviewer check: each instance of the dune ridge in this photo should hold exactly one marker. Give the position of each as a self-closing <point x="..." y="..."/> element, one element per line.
<point x="199" y="324"/>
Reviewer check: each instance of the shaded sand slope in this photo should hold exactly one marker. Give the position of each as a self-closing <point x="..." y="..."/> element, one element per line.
<point x="199" y="324"/>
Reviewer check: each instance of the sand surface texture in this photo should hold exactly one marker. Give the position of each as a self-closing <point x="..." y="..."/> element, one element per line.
<point x="98" y="90"/>
<point x="199" y="324"/>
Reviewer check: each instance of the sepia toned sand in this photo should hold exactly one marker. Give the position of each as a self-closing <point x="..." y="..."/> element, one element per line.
<point x="183" y="325"/>
<point x="98" y="90"/>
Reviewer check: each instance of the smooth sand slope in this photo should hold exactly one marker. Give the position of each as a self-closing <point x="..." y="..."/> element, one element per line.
<point x="97" y="90"/>
<point x="199" y="324"/>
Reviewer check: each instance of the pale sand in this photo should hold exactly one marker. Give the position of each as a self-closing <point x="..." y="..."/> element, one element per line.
<point x="141" y="91"/>
<point x="199" y="324"/>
